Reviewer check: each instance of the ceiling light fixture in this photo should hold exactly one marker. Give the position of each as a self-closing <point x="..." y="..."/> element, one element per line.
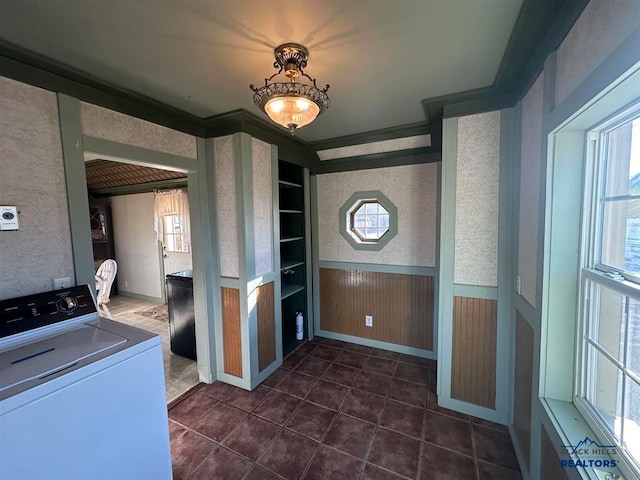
<point x="291" y="104"/>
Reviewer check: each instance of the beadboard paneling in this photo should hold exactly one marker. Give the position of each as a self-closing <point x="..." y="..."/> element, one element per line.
<point x="266" y="326"/>
<point x="401" y="306"/>
<point x="231" y="331"/>
<point x="473" y="366"/>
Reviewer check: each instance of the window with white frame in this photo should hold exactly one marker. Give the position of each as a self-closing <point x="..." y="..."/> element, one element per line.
<point x="608" y="387"/>
<point x="171" y="218"/>
<point x="174" y="235"/>
<point x="368" y="220"/>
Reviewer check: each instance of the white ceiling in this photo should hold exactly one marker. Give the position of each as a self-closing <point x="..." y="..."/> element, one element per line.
<point x="381" y="57"/>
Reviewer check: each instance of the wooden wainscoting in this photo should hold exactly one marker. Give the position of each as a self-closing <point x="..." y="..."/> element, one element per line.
<point x="231" y="331"/>
<point x="401" y="306"/>
<point x="551" y="467"/>
<point x="473" y="363"/>
<point x="266" y="325"/>
<point x="523" y="385"/>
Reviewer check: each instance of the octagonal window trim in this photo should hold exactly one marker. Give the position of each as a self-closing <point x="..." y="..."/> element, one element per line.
<point x="363" y="236"/>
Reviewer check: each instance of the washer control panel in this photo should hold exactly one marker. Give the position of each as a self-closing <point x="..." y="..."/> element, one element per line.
<point x="22" y="314"/>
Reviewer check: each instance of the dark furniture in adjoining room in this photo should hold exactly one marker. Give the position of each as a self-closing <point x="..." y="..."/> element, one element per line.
<point x="102" y="235"/>
<point x="182" y="327"/>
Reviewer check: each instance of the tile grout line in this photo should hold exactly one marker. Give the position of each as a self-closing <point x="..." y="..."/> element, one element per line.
<point x="474" y="451"/>
<point x="204" y="460"/>
<point x="392" y="376"/>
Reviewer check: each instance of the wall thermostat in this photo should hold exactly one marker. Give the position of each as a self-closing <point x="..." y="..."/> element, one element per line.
<point x="8" y="218"/>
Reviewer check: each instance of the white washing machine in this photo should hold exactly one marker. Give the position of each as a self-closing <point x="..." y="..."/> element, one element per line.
<point x="81" y="396"/>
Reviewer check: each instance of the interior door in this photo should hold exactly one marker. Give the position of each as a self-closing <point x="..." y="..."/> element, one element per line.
<point x="175" y="261"/>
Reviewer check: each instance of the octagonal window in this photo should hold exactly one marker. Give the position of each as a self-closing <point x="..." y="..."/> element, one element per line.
<point x="369" y="221"/>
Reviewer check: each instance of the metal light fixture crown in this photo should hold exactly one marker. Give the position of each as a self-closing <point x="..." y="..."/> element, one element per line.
<point x="291" y="104"/>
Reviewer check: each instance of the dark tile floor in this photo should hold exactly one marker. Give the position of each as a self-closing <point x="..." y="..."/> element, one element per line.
<point x="335" y="411"/>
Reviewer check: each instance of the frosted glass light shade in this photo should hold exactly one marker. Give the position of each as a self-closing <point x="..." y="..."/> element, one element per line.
<point x="289" y="103"/>
<point x="291" y="112"/>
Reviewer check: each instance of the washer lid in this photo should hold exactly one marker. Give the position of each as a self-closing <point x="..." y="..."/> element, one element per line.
<point x="45" y="357"/>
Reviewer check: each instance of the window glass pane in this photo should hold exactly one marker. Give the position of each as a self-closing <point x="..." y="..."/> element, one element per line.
<point x="604" y="389"/>
<point x="175" y="240"/>
<point x="361" y="221"/>
<point x="631" y="433"/>
<point x="633" y="345"/>
<point x="621" y="235"/>
<point x="606" y="320"/>
<point x="169" y="243"/>
<point x="371" y="207"/>
<point x="359" y="224"/>
<point x="622" y="175"/>
<point x="167" y="220"/>
<point x="370" y="221"/>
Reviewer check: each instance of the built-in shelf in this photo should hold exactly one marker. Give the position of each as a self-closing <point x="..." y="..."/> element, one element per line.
<point x="291" y="239"/>
<point x="293" y="254"/>
<point x="288" y="290"/>
<point x="286" y="184"/>
<point x="286" y="264"/>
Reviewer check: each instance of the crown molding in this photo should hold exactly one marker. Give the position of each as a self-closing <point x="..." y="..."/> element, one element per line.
<point x="29" y="67"/>
<point x="540" y="28"/>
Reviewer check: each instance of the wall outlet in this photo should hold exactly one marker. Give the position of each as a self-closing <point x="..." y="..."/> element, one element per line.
<point x="368" y="321"/>
<point x="126" y="284"/>
<point x="60" y="283"/>
<point x="518" y="284"/>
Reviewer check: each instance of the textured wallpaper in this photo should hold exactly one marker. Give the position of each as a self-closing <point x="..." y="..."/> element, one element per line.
<point x="227" y="206"/>
<point x="530" y="189"/>
<point x="412" y="189"/>
<point x="104" y="123"/>
<point x="32" y="179"/>
<point x="477" y="185"/>
<point x="262" y="206"/>
<point x="603" y="26"/>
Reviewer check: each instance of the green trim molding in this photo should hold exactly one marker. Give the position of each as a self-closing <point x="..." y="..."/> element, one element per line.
<point x="354" y="200"/>
<point x="77" y="195"/>
<point x="377" y="267"/>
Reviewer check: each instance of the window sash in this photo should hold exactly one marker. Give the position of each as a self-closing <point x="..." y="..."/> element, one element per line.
<point x="598" y="156"/>
<point x="589" y="411"/>
<point x="596" y="274"/>
<point x="174" y="236"/>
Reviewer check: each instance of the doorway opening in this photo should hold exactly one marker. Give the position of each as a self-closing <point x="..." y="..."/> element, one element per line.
<point x="140" y="219"/>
